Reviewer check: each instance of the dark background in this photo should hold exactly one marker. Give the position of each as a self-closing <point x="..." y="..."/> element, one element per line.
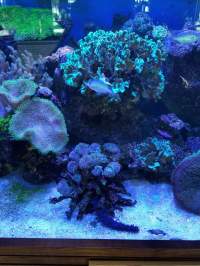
<point x="170" y="12"/>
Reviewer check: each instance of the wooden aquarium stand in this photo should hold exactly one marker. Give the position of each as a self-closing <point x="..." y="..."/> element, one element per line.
<point x="98" y="252"/>
<point x="144" y="263"/>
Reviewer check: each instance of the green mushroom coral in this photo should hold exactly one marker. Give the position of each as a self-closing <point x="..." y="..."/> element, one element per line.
<point x="41" y="123"/>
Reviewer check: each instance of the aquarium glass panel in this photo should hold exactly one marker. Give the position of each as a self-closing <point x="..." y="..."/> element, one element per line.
<point x="100" y="119"/>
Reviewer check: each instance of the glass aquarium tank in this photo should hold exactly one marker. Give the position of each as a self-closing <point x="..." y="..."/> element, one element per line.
<point x="100" y="119"/>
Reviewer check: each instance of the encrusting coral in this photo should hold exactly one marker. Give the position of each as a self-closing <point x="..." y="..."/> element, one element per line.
<point x="41" y="123"/>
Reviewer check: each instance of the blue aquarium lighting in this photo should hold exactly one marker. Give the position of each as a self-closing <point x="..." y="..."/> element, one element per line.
<point x="2" y="2"/>
<point x="100" y="119"/>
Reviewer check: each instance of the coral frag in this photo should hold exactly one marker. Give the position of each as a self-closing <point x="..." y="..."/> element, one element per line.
<point x="153" y="157"/>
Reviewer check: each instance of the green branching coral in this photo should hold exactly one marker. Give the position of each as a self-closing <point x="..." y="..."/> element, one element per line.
<point x="27" y="23"/>
<point x="41" y="123"/>
<point x="128" y="63"/>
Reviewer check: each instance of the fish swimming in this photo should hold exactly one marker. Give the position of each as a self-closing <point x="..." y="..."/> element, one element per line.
<point x="185" y="82"/>
<point x="100" y="86"/>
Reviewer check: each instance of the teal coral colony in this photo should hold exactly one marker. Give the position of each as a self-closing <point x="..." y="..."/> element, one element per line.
<point x="116" y="56"/>
<point x="99" y="119"/>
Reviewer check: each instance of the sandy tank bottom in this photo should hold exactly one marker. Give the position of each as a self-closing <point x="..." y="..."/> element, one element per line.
<point x="25" y="212"/>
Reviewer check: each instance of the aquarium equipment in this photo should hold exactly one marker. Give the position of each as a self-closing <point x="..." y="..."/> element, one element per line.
<point x="197" y="15"/>
<point x="2" y="2"/>
<point x="143" y="5"/>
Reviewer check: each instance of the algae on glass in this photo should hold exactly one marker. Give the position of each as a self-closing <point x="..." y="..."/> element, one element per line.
<point x="27" y="23"/>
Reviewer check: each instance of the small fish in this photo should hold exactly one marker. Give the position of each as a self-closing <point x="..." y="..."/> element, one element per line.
<point x="164" y="134"/>
<point x="157" y="232"/>
<point x="185" y="82"/>
<point x="100" y="86"/>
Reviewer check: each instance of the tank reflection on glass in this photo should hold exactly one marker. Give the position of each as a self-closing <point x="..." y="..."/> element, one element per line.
<point x="99" y="119"/>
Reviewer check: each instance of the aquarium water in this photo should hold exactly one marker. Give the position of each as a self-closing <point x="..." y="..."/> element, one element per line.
<point x="100" y="119"/>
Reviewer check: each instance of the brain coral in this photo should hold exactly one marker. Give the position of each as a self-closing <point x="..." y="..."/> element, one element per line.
<point x="41" y="123"/>
<point x="186" y="183"/>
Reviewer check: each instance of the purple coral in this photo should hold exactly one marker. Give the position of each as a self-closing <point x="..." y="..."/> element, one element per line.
<point x="99" y="185"/>
<point x="24" y="66"/>
<point x="171" y="126"/>
<point x="112" y="169"/>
